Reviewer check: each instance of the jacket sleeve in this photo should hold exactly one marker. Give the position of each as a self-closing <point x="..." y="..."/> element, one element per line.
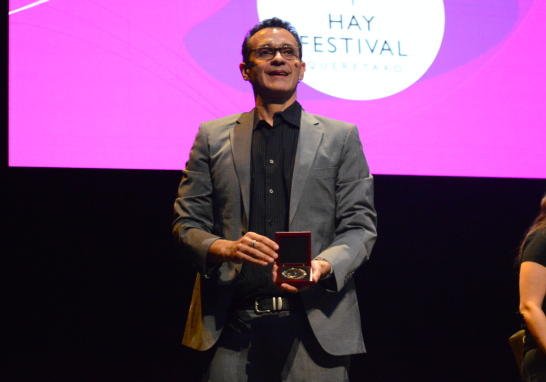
<point x="356" y="218"/>
<point x="193" y="208"/>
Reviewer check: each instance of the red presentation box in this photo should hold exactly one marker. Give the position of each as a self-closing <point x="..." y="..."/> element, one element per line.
<point x="294" y="259"/>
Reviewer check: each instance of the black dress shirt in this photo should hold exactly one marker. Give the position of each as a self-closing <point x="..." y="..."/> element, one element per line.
<point x="272" y="166"/>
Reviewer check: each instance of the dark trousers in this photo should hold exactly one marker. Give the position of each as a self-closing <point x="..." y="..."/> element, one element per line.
<point x="534" y="366"/>
<point x="271" y="347"/>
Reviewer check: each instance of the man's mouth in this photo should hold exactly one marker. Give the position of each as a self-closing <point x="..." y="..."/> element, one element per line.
<point x="278" y="73"/>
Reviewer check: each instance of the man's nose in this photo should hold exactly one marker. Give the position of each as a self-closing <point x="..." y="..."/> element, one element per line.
<point x="278" y="58"/>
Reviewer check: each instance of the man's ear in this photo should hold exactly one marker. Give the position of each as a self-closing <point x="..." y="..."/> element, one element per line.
<point x="244" y="71"/>
<point x="302" y="71"/>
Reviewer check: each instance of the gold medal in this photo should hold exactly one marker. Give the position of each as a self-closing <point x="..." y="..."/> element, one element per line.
<point x="294" y="273"/>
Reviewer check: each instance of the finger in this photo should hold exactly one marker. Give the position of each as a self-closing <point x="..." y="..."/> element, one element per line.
<point x="289" y="288"/>
<point x="266" y="250"/>
<point x="254" y="252"/>
<point x="270" y="243"/>
<point x="316" y="271"/>
<point x="263" y="240"/>
<point x="260" y="255"/>
<point x="255" y="244"/>
<point x="250" y="259"/>
<point x="293" y="289"/>
<point x="274" y="272"/>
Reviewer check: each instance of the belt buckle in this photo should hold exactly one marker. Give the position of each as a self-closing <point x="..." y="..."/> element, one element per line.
<point x="277" y="305"/>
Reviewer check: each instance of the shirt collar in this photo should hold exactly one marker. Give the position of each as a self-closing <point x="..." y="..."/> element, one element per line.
<point x="291" y="115"/>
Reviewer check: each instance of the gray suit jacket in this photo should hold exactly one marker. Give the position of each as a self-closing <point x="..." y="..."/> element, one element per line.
<point x="332" y="196"/>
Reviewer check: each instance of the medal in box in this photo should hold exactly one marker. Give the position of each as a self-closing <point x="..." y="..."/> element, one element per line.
<point x="294" y="261"/>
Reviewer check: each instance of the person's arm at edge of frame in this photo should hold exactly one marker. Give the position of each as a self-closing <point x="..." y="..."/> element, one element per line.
<point x="532" y="287"/>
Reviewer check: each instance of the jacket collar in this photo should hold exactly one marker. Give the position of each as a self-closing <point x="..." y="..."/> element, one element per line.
<point x="311" y="132"/>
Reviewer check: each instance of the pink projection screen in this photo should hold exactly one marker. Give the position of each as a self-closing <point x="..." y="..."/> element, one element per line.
<point x="451" y="88"/>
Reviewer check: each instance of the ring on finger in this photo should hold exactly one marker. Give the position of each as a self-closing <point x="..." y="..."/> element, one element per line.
<point x="254" y="242"/>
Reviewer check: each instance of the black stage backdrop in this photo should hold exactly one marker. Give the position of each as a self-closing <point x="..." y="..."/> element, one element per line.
<point x="93" y="289"/>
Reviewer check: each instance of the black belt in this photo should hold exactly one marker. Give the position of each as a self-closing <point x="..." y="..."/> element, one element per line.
<point x="268" y="304"/>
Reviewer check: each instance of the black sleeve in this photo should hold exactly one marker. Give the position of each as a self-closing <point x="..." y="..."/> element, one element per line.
<point x="534" y="248"/>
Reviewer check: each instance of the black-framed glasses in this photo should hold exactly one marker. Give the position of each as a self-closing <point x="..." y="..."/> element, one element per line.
<point x="267" y="53"/>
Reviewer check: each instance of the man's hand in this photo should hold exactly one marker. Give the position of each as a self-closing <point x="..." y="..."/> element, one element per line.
<point x="320" y="268"/>
<point x="252" y="248"/>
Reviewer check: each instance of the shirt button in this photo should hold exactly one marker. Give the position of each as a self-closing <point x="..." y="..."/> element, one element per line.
<point x="270" y="191"/>
<point x="271" y="161"/>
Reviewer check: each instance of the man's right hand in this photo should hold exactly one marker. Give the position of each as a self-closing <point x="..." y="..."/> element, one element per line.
<point x="252" y="248"/>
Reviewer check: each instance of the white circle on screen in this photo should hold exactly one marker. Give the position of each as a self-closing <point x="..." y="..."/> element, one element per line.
<point x="363" y="49"/>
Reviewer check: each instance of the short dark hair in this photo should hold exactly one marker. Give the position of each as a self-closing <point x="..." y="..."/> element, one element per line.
<point x="274" y="22"/>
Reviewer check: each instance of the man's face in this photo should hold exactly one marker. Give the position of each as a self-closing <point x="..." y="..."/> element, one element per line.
<point x="278" y="77"/>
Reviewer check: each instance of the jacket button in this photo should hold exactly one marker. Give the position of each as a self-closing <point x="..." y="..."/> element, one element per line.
<point x="243" y="233"/>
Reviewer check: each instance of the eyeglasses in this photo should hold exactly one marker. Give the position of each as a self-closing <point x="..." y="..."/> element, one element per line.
<point x="268" y="53"/>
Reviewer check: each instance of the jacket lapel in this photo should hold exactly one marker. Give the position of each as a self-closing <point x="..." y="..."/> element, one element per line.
<point x="241" y="137"/>
<point x="311" y="132"/>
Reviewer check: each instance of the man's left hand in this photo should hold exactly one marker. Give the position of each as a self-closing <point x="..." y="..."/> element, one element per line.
<point x="320" y="268"/>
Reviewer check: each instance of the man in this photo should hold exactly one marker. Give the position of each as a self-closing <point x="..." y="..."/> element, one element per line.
<point x="276" y="168"/>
